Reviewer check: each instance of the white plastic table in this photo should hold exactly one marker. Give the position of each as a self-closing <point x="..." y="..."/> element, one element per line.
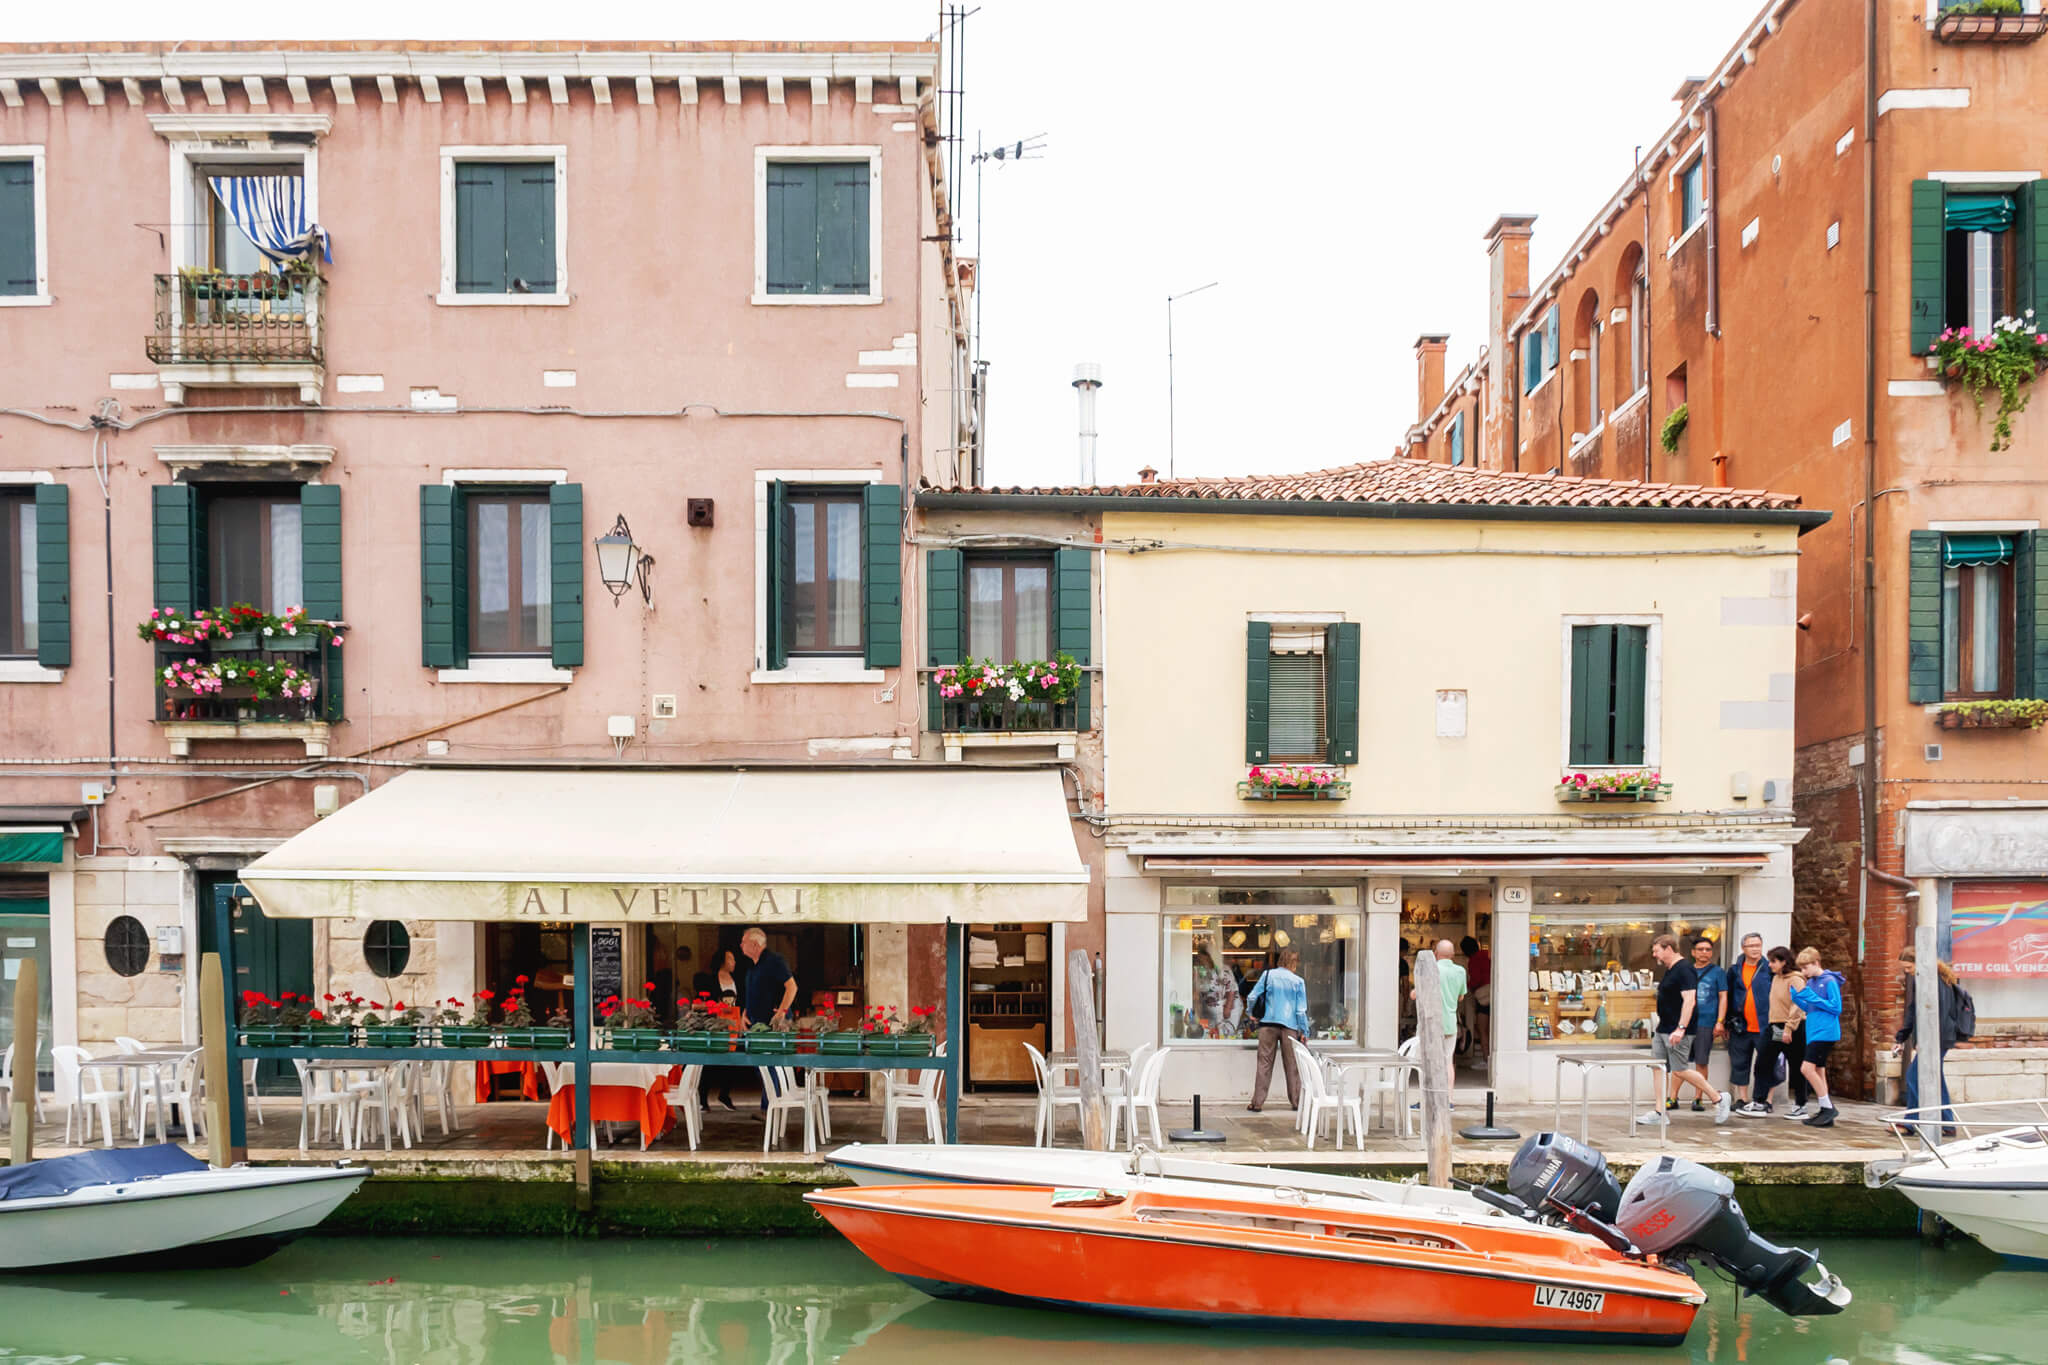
<point x="154" y="1060"/>
<point x="1591" y="1059"/>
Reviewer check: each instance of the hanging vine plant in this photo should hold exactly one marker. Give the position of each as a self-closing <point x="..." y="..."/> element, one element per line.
<point x="1674" y="427"/>
<point x="2007" y="360"/>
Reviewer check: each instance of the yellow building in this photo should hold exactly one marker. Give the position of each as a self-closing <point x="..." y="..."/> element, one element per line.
<point x="1357" y="711"/>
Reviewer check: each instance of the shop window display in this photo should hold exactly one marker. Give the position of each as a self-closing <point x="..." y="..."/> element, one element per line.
<point x="1591" y="976"/>
<point x="1219" y="940"/>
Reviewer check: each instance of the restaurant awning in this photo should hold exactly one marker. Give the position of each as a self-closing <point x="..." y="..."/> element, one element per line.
<point x="881" y="846"/>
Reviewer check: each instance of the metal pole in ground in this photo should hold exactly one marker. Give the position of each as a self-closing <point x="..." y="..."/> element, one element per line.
<point x="1435" y="1051"/>
<point x="1087" y="1049"/>
<point x="21" y="1132"/>
<point x="1927" y="1018"/>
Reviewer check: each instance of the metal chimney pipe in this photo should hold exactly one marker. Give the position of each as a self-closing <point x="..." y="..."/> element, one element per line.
<point x="1087" y="379"/>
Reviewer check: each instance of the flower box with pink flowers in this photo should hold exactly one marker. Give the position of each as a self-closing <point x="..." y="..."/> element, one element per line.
<point x="981" y="696"/>
<point x="1633" y="784"/>
<point x="1293" y="782"/>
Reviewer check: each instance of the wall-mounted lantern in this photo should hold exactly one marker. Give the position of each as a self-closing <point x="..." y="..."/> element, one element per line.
<point x="620" y="562"/>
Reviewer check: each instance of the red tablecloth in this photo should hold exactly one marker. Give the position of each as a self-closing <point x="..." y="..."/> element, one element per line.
<point x="618" y="1104"/>
<point x="529" y="1078"/>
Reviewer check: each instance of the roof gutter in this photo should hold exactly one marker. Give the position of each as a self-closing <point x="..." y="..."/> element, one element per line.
<point x="987" y="501"/>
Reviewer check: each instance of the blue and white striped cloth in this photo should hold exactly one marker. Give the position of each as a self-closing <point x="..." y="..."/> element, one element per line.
<point x="271" y="211"/>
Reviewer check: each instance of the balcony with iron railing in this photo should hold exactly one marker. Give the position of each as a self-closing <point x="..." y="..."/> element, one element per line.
<point x="240" y="689"/>
<point x="218" y="330"/>
<point x="992" y="717"/>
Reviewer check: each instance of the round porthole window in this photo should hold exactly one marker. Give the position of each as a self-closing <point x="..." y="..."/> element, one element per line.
<point x="127" y="946"/>
<point x="386" y="947"/>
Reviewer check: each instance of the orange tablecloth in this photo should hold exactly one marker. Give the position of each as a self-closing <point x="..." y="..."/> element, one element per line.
<point x="618" y="1104"/>
<point x="529" y="1078"/>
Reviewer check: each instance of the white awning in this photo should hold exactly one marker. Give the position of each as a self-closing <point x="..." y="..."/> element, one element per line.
<point x="890" y="846"/>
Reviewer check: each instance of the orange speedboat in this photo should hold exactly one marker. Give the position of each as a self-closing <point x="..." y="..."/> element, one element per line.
<point x="1215" y="1257"/>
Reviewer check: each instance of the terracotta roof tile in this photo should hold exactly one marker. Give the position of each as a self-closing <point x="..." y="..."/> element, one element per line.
<point x="1417" y="481"/>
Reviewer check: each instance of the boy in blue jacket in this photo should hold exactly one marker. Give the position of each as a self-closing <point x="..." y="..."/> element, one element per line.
<point x="1821" y="998"/>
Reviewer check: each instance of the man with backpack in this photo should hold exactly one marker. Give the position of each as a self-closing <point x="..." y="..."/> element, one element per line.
<point x="1958" y="1023"/>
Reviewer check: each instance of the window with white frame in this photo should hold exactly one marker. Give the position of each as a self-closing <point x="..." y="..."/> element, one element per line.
<point x="1692" y="193"/>
<point x="24" y="228"/>
<point x="817" y="225"/>
<point x="504" y="225"/>
<point x="1612" y="686"/>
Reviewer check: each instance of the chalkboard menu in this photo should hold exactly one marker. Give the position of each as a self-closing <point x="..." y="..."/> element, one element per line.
<point x="607" y="963"/>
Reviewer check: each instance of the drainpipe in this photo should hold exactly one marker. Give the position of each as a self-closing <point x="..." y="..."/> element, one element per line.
<point x="1869" y="774"/>
<point x="1711" y="173"/>
<point x="1515" y="395"/>
<point x="1649" y="369"/>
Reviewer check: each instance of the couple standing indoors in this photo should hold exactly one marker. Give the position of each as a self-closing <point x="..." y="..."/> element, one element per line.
<point x="1765" y="1006"/>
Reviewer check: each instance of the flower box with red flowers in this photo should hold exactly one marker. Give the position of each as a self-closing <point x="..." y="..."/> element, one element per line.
<point x="773" y="1041"/>
<point x="542" y="1037"/>
<point x="1292" y="782"/>
<point x="1640" y="784"/>
<point x="319" y="1034"/>
<point x="901" y="1044"/>
<point x="457" y="1035"/>
<point x="273" y="1037"/>
<point x="841" y="1042"/>
<point x="703" y="1040"/>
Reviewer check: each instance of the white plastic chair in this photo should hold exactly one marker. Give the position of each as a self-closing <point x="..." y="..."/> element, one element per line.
<point x="7" y="1082"/>
<point x="251" y="1099"/>
<point x="917" y="1093"/>
<point x="89" y="1091"/>
<point x="1116" y="1094"/>
<point x="1052" y="1097"/>
<point x="687" y="1095"/>
<point x="552" y="1073"/>
<point x="437" y="1082"/>
<point x="322" y="1095"/>
<point x="186" y="1092"/>
<point x="1145" y="1095"/>
<point x="788" y="1093"/>
<point x="389" y="1094"/>
<point x="1317" y="1099"/>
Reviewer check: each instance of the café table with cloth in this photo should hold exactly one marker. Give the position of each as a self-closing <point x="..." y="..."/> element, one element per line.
<point x="488" y="1072"/>
<point x="620" y="1092"/>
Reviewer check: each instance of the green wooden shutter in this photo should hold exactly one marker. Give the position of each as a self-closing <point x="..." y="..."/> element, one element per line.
<point x="1341" y="680"/>
<point x="2032" y="252"/>
<point x="881" y="543"/>
<point x="1928" y="283"/>
<point x="320" y="571"/>
<point x="53" y="575"/>
<point x="1073" y="630"/>
<point x="792" y="230"/>
<point x="480" y="228"/>
<point x="2030" y="618"/>
<point x="944" y="620"/>
<point x="530" y="226"/>
<point x="17" y="227"/>
<point x="1258" y="689"/>
<point x="1923" y="616"/>
<point x="1550" y="341"/>
<point x="1631" y="692"/>
<point x="843" y="227"/>
<point x="565" y="564"/>
<point x="781" y="572"/>
<point x="440" y="570"/>
<point x="1592" y="695"/>
<point x="178" y="538"/>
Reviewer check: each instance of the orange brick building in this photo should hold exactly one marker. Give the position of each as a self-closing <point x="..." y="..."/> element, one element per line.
<point x="1757" y="305"/>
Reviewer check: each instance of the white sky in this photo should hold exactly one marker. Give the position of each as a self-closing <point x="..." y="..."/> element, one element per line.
<point x="1332" y="165"/>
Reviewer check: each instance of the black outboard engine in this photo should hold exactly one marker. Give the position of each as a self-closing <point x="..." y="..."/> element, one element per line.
<point x="1675" y="1208"/>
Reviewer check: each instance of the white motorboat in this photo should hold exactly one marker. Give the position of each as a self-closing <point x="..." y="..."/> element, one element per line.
<point x="1991" y="1180"/>
<point x="143" y="1206"/>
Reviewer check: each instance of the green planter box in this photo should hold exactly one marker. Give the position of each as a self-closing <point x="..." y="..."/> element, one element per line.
<point x="637" y="1040"/>
<point x="273" y="1037"/>
<point x="330" y="1035"/>
<point x="392" y="1035"/>
<point x="772" y="1041"/>
<point x="841" y="1044"/>
<point x="542" y="1037"/>
<point x="901" y="1045"/>
<point x="303" y="643"/>
<point x="703" y="1040"/>
<point x="242" y="642"/>
<point x="460" y="1035"/>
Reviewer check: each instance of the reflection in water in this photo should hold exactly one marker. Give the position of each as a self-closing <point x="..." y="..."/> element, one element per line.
<point x="449" y="1302"/>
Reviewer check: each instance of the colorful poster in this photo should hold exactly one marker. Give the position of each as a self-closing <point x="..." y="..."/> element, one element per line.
<point x="1999" y="929"/>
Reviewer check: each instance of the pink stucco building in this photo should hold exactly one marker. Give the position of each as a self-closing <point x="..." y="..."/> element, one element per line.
<point x="707" y="289"/>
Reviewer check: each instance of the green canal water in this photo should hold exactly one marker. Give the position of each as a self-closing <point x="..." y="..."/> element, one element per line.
<point x="397" y="1301"/>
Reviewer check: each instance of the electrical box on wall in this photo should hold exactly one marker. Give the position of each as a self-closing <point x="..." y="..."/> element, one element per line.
<point x="664" y="706"/>
<point x="93" y="793"/>
<point x="697" y="511"/>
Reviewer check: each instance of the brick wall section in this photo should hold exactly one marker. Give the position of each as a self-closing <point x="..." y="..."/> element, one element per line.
<point x="1824" y="871"/>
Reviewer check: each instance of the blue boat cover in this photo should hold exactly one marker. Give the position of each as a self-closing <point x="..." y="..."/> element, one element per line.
<point x="60" y="1175"/>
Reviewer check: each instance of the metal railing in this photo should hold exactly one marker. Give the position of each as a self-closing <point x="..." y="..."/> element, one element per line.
<point x="239" y="701"/>
<point x="2022" y="1123"/>
<point x="256" y="319"/>
<point x="968" y="715"/>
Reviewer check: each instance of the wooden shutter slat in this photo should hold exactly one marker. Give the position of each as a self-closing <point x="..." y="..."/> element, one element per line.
<point x="530" y="227"/>
<point x="1631" y="693"/>
<point x="17" y="227"/>
<point x="792" y="232"/>
<point x="1073" y="606"/>
<point x="1928" y="238"/>
<point x="1592" y="693"/>
<point x="781" y="572"/>
<point x="881" y="506"/>
<point x="480" y="228"/>
<point x="1341" y="665"/>
<point x="944" y="576"/>
<point x="565" y="568"/>
<point x="53" y="575"/>
<point x="439" y="570"/>
<point x="174" y="532"/>
<point x="842" y="242"/>
<point x="1923" y="616"/>
<point x="1258" y="690"/>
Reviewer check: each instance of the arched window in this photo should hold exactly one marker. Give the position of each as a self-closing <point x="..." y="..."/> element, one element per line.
<point x="386" y="947"/>
<point x="1632" y="370"/>
<point x="127" y="946"/>
<point x="1586" y="337"/>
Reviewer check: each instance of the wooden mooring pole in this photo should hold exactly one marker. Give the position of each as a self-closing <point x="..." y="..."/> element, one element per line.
<point x="21" y="1118"/>
<point x="1087" y="1049"/>
<point x="1434" y="1050"/>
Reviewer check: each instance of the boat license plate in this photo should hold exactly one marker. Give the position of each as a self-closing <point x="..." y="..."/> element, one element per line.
<point x="1569" y="1300"/>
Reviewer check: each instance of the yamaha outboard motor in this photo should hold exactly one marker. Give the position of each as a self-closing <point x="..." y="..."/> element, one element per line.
<point x="1676" y="1208"/>
<point x="1550" y="1172"/>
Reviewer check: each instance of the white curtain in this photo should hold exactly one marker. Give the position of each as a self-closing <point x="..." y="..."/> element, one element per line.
<point x="842" y="555"/>
<point x="287" y="561"/>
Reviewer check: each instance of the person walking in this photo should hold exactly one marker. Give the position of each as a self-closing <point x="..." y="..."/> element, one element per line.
<point x="1479" y="976"/>
<point x="771" y="990"/>
<point x="1677" y="999"/>
<point x="1279" y="1001"/>
<point x="1744" y="1022"/>
<point x="1947" y="1013"/>
<point x="1712" y="989"/>
<point x="1821" y="997"/>
<point x="1776" y="1037"/>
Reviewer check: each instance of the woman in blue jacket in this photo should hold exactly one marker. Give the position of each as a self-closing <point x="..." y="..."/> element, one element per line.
<point x="1821" y="998"/>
